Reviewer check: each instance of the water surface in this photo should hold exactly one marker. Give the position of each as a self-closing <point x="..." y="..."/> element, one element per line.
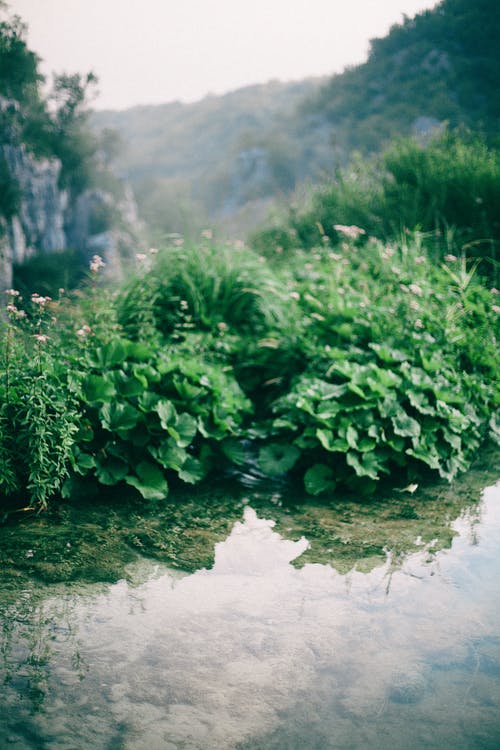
<point x="261" y="651"/>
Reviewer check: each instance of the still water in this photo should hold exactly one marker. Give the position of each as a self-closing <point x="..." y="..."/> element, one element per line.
<point x="260" y="651"/>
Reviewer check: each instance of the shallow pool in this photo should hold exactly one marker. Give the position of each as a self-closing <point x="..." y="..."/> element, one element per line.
<point x="257" y="652"/>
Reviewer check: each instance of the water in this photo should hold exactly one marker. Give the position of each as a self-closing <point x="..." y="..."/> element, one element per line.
<point x="261" y="652"/>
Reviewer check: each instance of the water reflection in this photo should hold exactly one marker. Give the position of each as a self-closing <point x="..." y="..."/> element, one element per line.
<point x="257" y="653"/>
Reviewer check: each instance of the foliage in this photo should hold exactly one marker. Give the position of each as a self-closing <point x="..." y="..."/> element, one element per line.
<point x="38" y="415"/>
<point x="47" y="274"/>
<point x="449" y="185"/>
<point x="19" y="76"/>
<point x="346" y="369"/>
<point x="206" y="287"/>
<point x="147" y="415"/>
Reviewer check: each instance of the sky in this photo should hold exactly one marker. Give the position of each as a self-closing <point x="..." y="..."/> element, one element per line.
<point x="156" y="51"/>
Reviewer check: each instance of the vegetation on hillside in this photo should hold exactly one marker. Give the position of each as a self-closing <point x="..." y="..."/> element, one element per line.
<point x="214" y="157"/>
<point x="440" y="66"/>
<point x="448" y="186"/>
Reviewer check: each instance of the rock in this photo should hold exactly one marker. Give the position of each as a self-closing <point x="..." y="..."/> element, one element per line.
<point x="49" y="219"/>
<point x="407" y="686"/>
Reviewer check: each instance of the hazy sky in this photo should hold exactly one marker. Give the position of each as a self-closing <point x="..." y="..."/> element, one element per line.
<point x="153" y="51"/>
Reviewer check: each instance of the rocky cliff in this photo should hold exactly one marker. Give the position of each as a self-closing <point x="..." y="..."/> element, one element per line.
<point x="42" y="217"/>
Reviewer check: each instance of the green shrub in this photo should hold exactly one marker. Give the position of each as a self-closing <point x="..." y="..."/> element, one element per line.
<point x="346" y="369"/>
<point x="452" y="182"/>
<point x="205" y="287"/>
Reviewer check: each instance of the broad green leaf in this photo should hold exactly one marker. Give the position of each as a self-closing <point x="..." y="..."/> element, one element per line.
<point x="387" y="354"/>
<point x="85" y="432"/>
<point x="83" y="462"/>
<point x="149" y="481"/>
<point x="405" y="425"/>
<point x="109" y="355"/>
<point x="276" y="459"/>
<point x="357" y="390"/>
<point x="167" y="413"/>
<point x="366" y="464"/>
<point x="110" y="470"/>
<point x="98" y="388"/>
<point x="127" y="385"/>
<point x="186" y="427"/>
<point x="169" y="454"/>
<point x="332" y="443"/>
<point x="186" y="390"/>
<point x="318" y="479"/>
<point x="429" y="457"/>
<point x="119" y="418"/>
<point x="193" y="471"/>
<point x="389" y="407"/>
<point x="147" y="401"/>
<point x="366" y="443"/>
<point x="434" y="363"/>
<point x="352" y="437"/>
<point x="139" y="351"/>
<point x="146" y="373"/>
<point x="452" y="438"/>
<point x="448" y="396"/>
<point x="420" y="402"/>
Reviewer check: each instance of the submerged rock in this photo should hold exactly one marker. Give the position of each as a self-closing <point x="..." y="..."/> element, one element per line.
<point x="408" y="686"/>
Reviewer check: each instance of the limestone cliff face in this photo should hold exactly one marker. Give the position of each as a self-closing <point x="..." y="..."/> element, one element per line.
<point x="38" y="226"/>
<point x="48" y="219"/>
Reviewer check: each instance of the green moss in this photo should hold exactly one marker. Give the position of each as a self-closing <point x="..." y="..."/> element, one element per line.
<point x="88" y="542"/>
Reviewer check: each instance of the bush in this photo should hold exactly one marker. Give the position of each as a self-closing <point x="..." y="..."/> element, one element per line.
<point x="451" y="182"/>
<point x="337" y="369"/>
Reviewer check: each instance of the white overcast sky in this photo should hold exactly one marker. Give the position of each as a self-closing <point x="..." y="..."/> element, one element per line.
<point x="154" y="51"/>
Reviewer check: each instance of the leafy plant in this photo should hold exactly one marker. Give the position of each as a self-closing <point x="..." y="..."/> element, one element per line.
<point x="38" y="415"/>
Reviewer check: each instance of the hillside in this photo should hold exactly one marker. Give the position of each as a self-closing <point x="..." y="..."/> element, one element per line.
<point x="226" y="157"/>
<point x="191" y="161"/>
<point x="441" y="66"/>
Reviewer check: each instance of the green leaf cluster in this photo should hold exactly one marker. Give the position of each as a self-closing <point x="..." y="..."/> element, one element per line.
<point x="364" y="365"/>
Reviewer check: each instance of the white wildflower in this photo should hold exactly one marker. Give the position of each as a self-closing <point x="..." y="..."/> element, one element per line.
<point x="83" y="331"/>
<point x="96" y="264"/>
<point x="37" y="299"/>
<point x="352" y="231"/>
<point x="415" y="289"/>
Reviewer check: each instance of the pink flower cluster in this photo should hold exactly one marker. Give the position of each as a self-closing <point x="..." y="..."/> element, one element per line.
<point x="96" y="264"/>
<point x="352" y="232"/>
